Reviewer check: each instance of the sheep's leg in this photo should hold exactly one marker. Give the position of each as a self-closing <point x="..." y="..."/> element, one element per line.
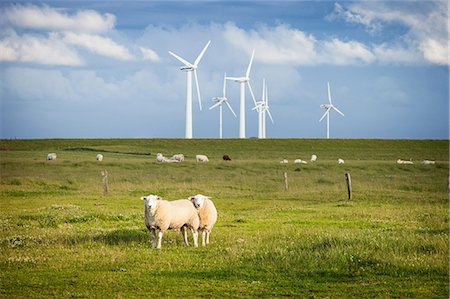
<point x="185" y="237"/>
<point x="160" y="234"/>
<point x="153" y="232"/>
<point x="203" y="237"/>
<point x="195" y="237"/>
<point x="207" y="237"/>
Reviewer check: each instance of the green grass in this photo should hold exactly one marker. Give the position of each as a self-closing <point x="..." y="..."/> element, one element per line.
<point x="61" y="237"/>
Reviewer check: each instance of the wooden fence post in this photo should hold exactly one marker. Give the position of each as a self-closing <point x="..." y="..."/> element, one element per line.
<point x="286" y="186"/>
<point x="105" y="182"/>
<point x="349" y="185"/>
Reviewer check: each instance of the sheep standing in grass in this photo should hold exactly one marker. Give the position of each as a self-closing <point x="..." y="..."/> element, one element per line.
<point x="178" y="158"/>
<point x="341" y="161"/>
<point x="207" y="213"/>
<point x="201" y="158"/>
<point x="51" y="156"/>
<point x="99" y="157"/>
<point x="313" y="158"/>
<point x="163" y="215"/>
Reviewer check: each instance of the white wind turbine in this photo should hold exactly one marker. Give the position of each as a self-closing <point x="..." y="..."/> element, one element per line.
<point x="219" y="102"/>
<point x="262" y="107"/>
<point x="242" y="81"/>
<point x="327" y="112"/>
<point x="191" y="68"/>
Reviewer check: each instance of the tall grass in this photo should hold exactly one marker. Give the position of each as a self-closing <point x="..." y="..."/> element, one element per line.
<point x="61" y="237"/>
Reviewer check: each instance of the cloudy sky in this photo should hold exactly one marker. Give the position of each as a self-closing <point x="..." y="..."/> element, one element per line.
<point x="102" y="68"/>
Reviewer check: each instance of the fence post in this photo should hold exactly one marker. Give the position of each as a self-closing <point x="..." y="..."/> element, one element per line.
<point x="286" y="186"/>
<point x="349" y="185"/>
<point x="105" y="181"/>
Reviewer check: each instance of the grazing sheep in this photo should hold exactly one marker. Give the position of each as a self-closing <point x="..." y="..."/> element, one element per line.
<point x="163" y="215"/>
<point x="99" y="157"/>
<point x="284" y="161"/>
<point x="51" y="156"/>
<point x="178" y="157"/>
<point x="427" y="162"/>
<point x="160" y="157"/>
<point x="341" y="161"/>
<point x="201" y="158"/>
<point x="300" y="161"/>
<point x="207" y="213"/>
<point x="226" y="158"/>
<point x="400" y="161"/>
<point x="313" y="158"/>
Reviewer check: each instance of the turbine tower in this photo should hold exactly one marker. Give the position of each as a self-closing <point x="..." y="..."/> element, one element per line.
<point x="262" y="107"/>
<point x="242" y="81"/>
<point x="328" y="108"/>
<point x="219" y="102"/>
<point x="190" y="68"/>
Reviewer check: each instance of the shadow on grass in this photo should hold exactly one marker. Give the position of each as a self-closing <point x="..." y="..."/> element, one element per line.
<point x="115" y="237"/>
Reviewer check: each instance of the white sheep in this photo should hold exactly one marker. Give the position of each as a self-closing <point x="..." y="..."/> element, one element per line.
<point x="427" y="162"/>
<point x="163" y="215"/>
<point x="99" y="157"/>
<point x="341" y="161"/>
<point x="201" y="158"/>
<point x="313" y="158"/>
<point x="300" y="161"/>
<point x="284" y="161"/>
<point x="400" y="161"/>
<point x="178" y="157"/>
<point x="160" y="157"/>
<point x="51" y="156"/>
<point x="207" y="213"/>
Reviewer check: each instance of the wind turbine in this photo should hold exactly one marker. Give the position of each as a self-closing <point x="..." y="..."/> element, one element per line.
<point x="219" y="102"/>
<point x="242" y="81"/>
<point x="328" y="108"/>
<point x="191" y="68"/>
<point x="262" y="107"/>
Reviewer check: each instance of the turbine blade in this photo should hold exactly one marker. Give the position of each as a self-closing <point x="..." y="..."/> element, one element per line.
<point x="338" y="111"/>
<point x="264" y="91"/>
<point x="270" y="115"/>
<point x="267" y="96"/>
<point x="326" y="112"/>
<point x="231" y="109"/>
<point x="225" y="85"/>
<point x="251" y="92"/>
<point x="234" y="78"/>
<point x="329" y="93"/>
<point x="258" y="105"/>
<point x="198" y="91"/>
<point x="183" y="61"/>
<point x="215" y="105"/>
<point x="201" y="54"/>
<point x="250" y="64"/>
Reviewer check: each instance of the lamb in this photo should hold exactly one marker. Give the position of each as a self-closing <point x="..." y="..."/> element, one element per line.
<point x="313" y="158"/>
<point x="300" y="161"/>
<point x="284" y="161"/>
<point x="400" y="161"/>
<point x="51" y="156"/>
<point x="341" y="161"/>
<point x="201" y="158"/>
<point x="99" y="157"/>
<point x="163" y="215"/>
<point x="178" y="157"/>
<point x="427" y="162"/>
<point x="207" y="213"/>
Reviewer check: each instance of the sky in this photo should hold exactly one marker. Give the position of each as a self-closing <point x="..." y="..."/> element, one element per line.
<point x="102" y="69"/>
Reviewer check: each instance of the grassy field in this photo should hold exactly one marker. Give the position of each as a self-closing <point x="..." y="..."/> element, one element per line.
<point x="61" y="237"/>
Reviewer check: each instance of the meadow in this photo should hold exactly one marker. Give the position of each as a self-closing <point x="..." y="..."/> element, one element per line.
<point x="62" y="237"/>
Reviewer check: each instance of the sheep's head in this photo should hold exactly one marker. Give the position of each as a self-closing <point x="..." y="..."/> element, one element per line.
<point x="198" y="200"/>
<point x="150" y="201"/>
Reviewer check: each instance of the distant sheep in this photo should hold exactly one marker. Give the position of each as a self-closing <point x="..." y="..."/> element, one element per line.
<point x="207" y="214"/>
<point x="400" y="161"/>
<point x="51" y="156"/>
<point x="427" y="162"/>
<point x="161" y="158"/>
<point x="341" y="161"/>
<point x="284" y="161"/>
<point x="178" y="157"/>
<point x="201" y="158"/>
<point x="99" y="157"/>
<point x="313" y="158"/>
<point x="226" y="158"/>
<point x="163" y="215"/>
<point x="300" y="161"/>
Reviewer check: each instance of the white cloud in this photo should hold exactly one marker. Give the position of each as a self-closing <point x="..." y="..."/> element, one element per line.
<point x="49" y="18"/>
<point x="340" y="53"/>
<point x="37" y="49"/>
<point x="98" y="44"/>
<point x="149" y="54"/>
<point x="426" y="23"/>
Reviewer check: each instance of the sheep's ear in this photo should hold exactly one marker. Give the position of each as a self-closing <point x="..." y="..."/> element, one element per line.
<point x="143" y="198"/>
<point x="159" y="198"/>
<point x="191" y="197"/>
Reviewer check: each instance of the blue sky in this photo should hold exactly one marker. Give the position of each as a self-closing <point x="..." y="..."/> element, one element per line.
<point x="102" y="68"/>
